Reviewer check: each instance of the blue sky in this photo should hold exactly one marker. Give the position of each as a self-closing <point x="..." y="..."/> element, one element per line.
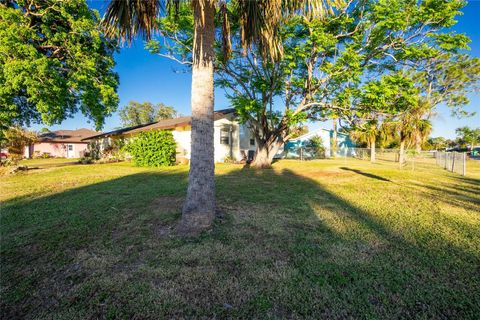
<point x="146" y="77"/>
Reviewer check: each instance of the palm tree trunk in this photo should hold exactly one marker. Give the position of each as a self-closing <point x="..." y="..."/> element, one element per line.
<point x="372" y="151"/>
<point x="199" y="208"/>
<point x="401" y="154"/>
<point x="418" y="144"/>
<point x="334" y="139"/>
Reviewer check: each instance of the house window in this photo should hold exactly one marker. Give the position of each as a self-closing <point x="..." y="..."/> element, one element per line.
<point x="224" y="136"/>
<point x="252" y="142"/>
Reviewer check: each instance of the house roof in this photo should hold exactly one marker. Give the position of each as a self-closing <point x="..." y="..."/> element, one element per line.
<point x="117" y="131"/>
<point x="162" y="124"/>
<point x="67" y="136"/>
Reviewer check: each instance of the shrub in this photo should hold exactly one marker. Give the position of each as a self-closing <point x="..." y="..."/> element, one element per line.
<point x="315" y="144"/>
<point x="93" y="150"/>
<point x="17" y="139"/>
<point x="86" y="160"/>
<point x="114" y="151"/>
<point x="152" y="149"/>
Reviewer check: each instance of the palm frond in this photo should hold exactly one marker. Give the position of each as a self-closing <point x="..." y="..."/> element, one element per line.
<point x="260" y="20"/>
<point x="127" y="18"/>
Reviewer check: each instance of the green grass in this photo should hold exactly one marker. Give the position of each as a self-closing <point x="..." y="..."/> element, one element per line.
<point x="51" y="162"/>
<point x="319" y="239"/>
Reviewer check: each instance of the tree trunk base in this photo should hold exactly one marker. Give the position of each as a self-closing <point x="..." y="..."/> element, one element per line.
<point x="261" y="165"/>
<point x="264" y="157"/>
<point x="194" y="223"/>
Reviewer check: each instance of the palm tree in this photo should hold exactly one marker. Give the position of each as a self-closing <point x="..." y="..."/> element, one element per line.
<point x="367" y="134"/>
<point x="469" y="136"/>
<point x="413" y="128"/>
<point x="258" y="24"/>
<point x="423" y="130"/>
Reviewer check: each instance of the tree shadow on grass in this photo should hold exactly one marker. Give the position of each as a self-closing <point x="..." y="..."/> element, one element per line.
<point x="459" y="194"/>
<point x="472" y="184"/>
<point x="286" y="247"/>
<point x="366" y="174"/>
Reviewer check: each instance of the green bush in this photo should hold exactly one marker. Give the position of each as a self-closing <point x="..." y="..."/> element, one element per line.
<point x="315" y="144"/>
<point x="93" y="150"/>
<point x="114" y="151"/>
<point x="152" y="149"/>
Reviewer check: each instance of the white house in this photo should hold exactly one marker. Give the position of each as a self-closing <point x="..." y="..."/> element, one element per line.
<point x="232" y="139"/>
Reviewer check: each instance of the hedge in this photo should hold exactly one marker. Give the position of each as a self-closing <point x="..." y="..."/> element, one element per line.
<point x="152" y="149"/>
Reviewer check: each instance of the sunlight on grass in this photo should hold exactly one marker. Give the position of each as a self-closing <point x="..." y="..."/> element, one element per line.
<point x="304" y="239"/>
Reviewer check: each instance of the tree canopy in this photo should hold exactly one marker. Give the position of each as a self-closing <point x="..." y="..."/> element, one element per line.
<point x="54" y="62"/>
<point x="469" y="136"/>
<point x="136" y="113"/>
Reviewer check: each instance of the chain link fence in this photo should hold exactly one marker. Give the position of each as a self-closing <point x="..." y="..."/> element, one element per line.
<point x="452" y="161"/>
<point x="412" y="159"/>
<point x="303" y="153"/>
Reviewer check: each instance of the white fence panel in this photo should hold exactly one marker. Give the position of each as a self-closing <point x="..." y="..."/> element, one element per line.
<point x="452" y="161"/>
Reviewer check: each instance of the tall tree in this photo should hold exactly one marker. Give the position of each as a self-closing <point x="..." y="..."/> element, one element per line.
<point x="410" y="128"/>
<point x="165" y="112"/>
<point x="367" y="134"/>
<point x="470" y="136"/>
<point x="136" y="113"/>
<point x="54" y="62"/>
<point x="258" y="22"/>
<point x="437" y="143"/>
<point x="16" y="140"/>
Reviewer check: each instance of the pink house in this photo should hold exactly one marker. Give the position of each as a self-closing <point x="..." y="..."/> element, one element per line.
<point x="61" y="143"/>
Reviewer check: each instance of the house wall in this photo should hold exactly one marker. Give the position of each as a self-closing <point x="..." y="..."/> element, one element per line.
<point x="182" y="136"/>
<point x="245" y="136"/>
<point x="291" y="146"/>
<point x="232" y="149"/>
<point x="59" y="149"/>
<point x="344" y="142"/>
<point x="240" y="140"/>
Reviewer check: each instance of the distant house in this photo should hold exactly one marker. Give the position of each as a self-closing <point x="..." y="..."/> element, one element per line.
<point x="232" y="139"/>
<point x="61" y="143"/>
<point x="344" y="143"/>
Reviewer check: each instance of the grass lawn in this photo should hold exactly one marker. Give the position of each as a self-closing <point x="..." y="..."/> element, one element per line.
<point x="319" y="239"/>
<point x="46" y="163"/>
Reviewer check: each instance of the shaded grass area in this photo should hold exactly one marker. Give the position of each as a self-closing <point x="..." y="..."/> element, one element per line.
<point x="312" y="239"/>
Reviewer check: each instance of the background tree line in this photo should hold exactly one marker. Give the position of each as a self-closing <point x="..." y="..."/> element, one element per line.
<point x="136" y="113"/>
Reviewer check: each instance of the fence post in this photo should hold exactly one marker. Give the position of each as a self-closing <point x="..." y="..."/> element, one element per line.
<point x="453" y="161"/>
<point x="464" y="173"/>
